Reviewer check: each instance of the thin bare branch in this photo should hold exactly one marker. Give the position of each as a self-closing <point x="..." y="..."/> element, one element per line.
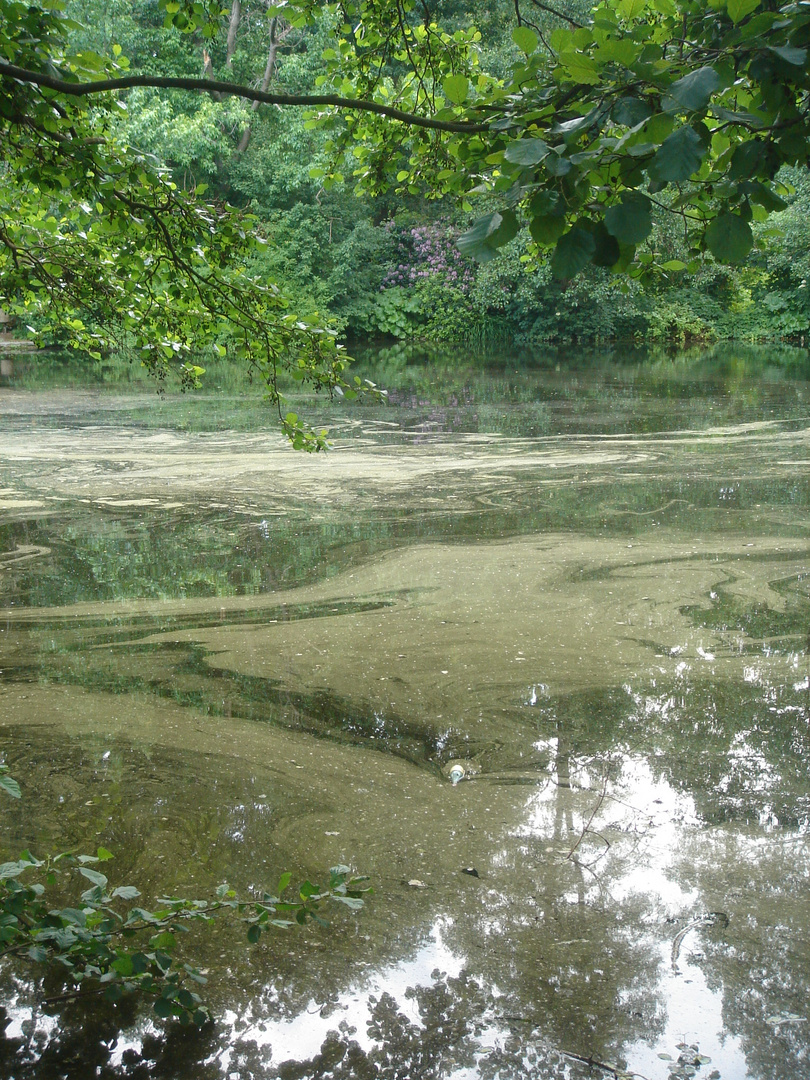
<point x="549" y="10"/>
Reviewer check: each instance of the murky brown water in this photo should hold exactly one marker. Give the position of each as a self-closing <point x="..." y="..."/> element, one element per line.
<point x="221" y="660"/>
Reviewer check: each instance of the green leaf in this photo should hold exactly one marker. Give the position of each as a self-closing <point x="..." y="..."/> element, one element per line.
<point x="13" y="869"/>
<point x="456" y="88"/>
<point x="630" y="221"/>
<point x="353" y="902"/>
<point x="764" y="197"/>
<point x="487" y="234"/>
<point x="746" y="159"/>
<point x="606" y="251"/>
<point x="630" y="9"/>
<point x="618" y="50"/>
<point x="526" y="151"/>
<point x="103" y="855"/>
<point x="123" y="965"/>
<point x="525" y="39"/>
<point x="164" y="940"/>
<point x="580" y="67"/>
<point x="693" y="92"/>
<point x="791" y="55"/>
<point x="10" y="786"/>
<point x="573" y="252"/>
<point x="254" y="933"/>
<point x="139" y="914"/>
<point x="163" y="960"/>
<point x="507" y="230"/>
<point x="75" y="916"/>
<point x="547" y="230"/>
<point x="738" y="9"/>
<point x="473" y="243"/>
<point x="164" y="1008"/>
<point x="126" y="892"/>
<point x="729" y="238"/>
<point x="557" y="164"/>
<point x="679" y="156"/>
<point x="94" y="876"/>
<point x="631" y="111"/>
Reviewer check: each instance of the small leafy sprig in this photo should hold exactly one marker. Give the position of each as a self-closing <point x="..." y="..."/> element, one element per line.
<point x="104" y="946"/>
<point x="7" y="784"/>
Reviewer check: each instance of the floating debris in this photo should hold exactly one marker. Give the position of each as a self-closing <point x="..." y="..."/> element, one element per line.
<point x="460" y="769"/>
<point x="785" y="1018"/>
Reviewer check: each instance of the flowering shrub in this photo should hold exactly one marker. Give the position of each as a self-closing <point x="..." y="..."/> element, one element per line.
<point x="424" y="252"/>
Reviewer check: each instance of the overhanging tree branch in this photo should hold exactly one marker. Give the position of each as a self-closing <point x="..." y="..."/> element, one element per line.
<point x="214" y="86"/>
<point x="557" y="14"/>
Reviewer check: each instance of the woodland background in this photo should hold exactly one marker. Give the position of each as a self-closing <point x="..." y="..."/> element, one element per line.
<point x="388" y="266"/>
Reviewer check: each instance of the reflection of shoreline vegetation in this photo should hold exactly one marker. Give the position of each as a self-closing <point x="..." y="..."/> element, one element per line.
<point x="113" y="554"/>
<point x="59" y="369"/>
<point x="181" y="673"/>
<point x="434" y="390"/>
<point x="711" y="740"/>
<point x="731" y="727"/>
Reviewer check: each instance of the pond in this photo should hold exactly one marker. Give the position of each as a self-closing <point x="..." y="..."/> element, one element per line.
<point x="528" y="647"/>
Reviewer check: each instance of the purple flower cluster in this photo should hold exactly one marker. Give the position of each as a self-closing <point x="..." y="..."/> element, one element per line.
<point x="427" y="251"/>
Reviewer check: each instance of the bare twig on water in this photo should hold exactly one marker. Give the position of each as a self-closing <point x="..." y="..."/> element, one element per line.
<point x="595" y="811"/>
<point x="593" y="1063"/>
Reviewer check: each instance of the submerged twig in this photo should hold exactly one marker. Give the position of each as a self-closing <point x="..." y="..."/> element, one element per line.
<point x="593" y="1063"/>
<point x="72" y="995"/>
<point x="594" y="812"/>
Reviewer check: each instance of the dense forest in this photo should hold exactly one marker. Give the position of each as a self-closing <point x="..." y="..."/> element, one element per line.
<point x="387" y="264"/>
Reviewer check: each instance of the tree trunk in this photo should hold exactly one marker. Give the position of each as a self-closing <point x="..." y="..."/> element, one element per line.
<point x="233" y="26"/>
<point x="269" y="68"/>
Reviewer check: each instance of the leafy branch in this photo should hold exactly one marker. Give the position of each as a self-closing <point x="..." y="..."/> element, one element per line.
<point x="103" y="945"/>
<point x="216" y="86"/>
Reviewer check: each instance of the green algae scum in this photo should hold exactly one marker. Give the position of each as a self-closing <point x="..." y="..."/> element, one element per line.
<point x="528" y="647"/>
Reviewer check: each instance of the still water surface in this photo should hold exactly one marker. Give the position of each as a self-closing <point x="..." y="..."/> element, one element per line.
<point x="528" y="647"/>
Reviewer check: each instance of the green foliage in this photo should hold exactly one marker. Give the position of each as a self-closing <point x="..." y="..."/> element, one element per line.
<point x="188" y="139"/>
<point x="449" y="315"/>
<point x="657" y="100"/>
<point x="649" y="137"/>
<point x="99" y="247"/>
<point x="104" y="944"/>
<point x="396" y="312"/>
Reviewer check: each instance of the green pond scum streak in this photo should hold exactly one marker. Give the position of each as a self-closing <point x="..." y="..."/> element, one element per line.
<point x="528" y="647"/>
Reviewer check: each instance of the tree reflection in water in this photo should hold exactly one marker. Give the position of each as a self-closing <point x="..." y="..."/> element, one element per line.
<point x="662" y="777"/>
